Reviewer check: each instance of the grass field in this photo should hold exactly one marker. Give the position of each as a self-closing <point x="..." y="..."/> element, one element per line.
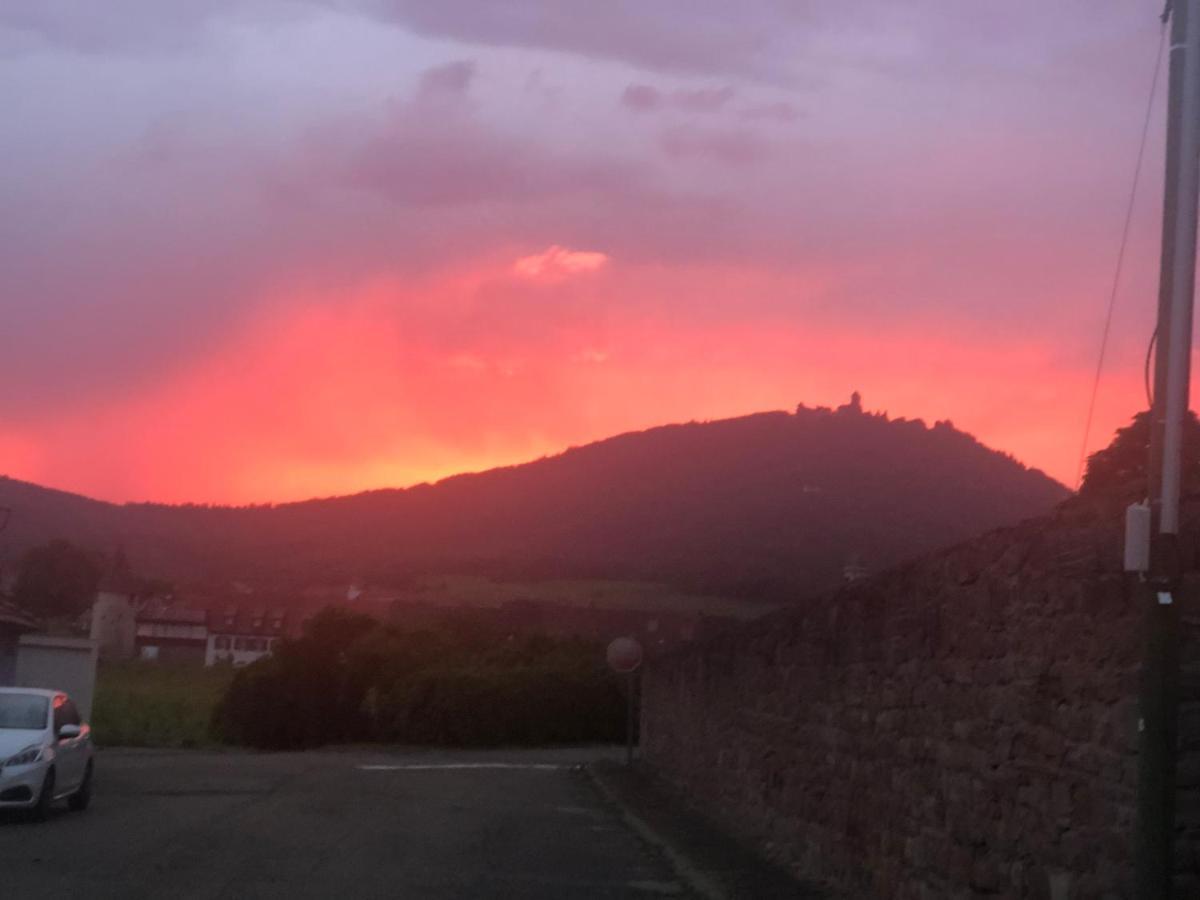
<point x="142" y="704"/>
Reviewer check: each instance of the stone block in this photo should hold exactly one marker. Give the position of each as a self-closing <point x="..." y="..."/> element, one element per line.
<point x="1185" y="887"/>
<point x="1187" y="773"/>
<point x="1187" y="808"/>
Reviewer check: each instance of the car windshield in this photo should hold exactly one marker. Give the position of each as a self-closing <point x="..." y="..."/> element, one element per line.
<point x="26" y="711"/>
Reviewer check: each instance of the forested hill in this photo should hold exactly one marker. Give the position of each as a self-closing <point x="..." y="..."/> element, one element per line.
<point x="770" y="505"/>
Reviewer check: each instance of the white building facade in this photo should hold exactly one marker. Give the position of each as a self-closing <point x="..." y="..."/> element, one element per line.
<point x="239" y="637"/>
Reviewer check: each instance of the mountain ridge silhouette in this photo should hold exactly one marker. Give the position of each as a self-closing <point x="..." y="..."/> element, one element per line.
<point x="767" y="505"/>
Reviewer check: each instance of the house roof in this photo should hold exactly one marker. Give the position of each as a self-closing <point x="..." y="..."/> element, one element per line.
<point x="248" y="620"/>
<point x="171" y="614"/>
<point x="15" y="616"/>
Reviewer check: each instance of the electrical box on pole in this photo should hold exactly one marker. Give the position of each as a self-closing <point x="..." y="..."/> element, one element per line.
<point x="1138" y="525"/>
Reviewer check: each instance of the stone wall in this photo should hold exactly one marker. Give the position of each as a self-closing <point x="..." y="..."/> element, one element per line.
<point x="962" y="726"/>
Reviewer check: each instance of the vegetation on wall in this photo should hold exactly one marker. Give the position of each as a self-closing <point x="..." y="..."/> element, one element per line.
<point x="1120" y="469"/>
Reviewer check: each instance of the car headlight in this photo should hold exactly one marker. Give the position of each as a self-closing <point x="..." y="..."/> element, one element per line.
<point x="26" y="757"/>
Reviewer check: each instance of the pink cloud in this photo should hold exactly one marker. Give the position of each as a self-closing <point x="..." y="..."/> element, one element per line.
<point x="559" y="262"/>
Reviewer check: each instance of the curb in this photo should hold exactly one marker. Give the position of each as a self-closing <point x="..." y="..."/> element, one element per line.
<point x="687" y="872"/>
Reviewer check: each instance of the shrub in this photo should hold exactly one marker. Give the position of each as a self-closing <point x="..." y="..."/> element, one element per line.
<point x="350" y="679"/>
<point x="303" y="695"/>
<point x="492" y="705"/>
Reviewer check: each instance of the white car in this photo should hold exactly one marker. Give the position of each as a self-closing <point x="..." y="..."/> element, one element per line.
<point x="45" y="751"/>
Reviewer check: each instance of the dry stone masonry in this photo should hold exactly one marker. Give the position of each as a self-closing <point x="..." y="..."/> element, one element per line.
<point x="963" y="726"/>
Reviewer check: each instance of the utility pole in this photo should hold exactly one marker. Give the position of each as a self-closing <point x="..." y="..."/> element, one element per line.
<point x="1159" y="704"/>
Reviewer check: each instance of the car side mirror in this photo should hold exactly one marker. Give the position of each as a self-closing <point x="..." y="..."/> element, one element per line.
<point x="69" y="731"/>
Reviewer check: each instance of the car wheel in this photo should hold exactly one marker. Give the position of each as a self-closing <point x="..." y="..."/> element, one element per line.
<point x="82" y="798"/>
<point x="41" y="811"/>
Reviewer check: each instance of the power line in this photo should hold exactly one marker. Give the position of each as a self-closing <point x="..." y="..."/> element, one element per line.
<point x="1116" y="282"/>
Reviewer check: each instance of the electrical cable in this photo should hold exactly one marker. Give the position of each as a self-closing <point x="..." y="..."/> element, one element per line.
<point x="1146" y="370"/>
<point x="1116" y="282"/>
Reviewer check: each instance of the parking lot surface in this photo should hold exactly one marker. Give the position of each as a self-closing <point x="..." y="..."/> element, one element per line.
<point x="193" y="824"/>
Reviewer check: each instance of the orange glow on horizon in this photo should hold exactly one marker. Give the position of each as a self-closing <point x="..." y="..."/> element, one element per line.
<point x="382" y="389"/>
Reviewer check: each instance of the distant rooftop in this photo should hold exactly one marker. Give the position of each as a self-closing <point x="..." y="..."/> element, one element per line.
<point x="170" y="613"/>
<point x="249" y="621"/>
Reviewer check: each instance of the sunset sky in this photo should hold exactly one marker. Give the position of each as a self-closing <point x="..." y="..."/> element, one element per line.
<point x="264" y="250"/>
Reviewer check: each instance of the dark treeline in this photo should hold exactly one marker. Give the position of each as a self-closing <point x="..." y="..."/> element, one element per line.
<point x="350" y="679"/>
<point x="1120" y="469"/>
<point x="57" y="579"/>
<point x="770" y="506"/>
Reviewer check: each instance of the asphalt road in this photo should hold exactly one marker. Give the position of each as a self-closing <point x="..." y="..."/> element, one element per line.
<point x="350" y="824"/>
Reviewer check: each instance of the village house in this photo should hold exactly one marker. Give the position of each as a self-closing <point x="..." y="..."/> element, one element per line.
<point x="160" y="630"/>
<point x="171" y="634"/>
<point x="242" y="636"/>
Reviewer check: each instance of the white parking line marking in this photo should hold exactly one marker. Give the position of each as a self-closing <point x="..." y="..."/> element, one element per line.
<point x="433" y="767"/>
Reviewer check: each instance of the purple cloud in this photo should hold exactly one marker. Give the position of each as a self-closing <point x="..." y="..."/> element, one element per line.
<point x="642" y="97"/>
<point x="137" y="25"/>
<point x="702" y="99"/>
<point x="417" y="160"/>
<point x="453" y="78"/>
<point x="647" y="98"/>
<point x="699" y="36"/>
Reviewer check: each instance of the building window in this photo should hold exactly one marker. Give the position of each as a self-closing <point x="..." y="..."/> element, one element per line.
<point x="222" y="642"/>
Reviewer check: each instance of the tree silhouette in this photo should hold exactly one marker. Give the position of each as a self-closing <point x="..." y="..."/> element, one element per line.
<point x="1120" y="468"/>
<point x="56" y="579"/>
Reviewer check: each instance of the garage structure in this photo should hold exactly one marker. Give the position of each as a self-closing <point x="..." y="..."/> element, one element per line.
<point x="14" y="622"/>
<point x="31" y="658"/>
